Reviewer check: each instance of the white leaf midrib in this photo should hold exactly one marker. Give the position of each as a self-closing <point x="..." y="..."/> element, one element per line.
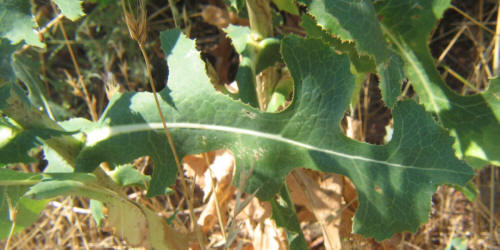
<point x="100" y="134"/>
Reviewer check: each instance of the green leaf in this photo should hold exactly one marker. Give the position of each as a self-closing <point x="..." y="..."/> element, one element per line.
<point x="363" y="63"/>
<point x="238" y="5"/>
<point x="61" y="184"/>
<point x="27" y="212"/>
<point x="285" y="216"/>
<point x="15" y="178"/>
<point x="4" y="95"/>
<point x="103" y="3"/>
<point x="473" y="120"/>
<point x="391" y="78"/>
<point x="287" y="5"/>
<point x="97" y="209"/>
<point x="268" y="53"/>
<point x="457" y="243"/>
<point x="127" y="175"/>
<point x="469" y="190"/>
<point x="56" y="163"/>
<point x="17" y="143"/>
<point x="13" y="185"/>
<point x="351" y="21"/>
<point x="282" y="91"/>
<point x="255" y="57"/>
<point x="245" y="77"/>
<point x="6" y="50"/>
<point x="395" y="181"/>
<point x="142" y="227"/>
<point x="17" y="24"/>
<point x="27" y="68"/>
<point x="72" y="9"/>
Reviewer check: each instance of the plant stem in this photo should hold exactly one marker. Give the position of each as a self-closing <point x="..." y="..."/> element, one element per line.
<point x="261" y="25"/>
<point x="12" y="215"/>
<point x="260" y="17"/>
<point x="88" y="100"/>
<point x="492" y="204"/>
<point x="175" y="13"/>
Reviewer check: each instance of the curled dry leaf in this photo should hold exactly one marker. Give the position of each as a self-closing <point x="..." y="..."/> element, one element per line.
<point x="266" y="235"/>
<point x="140" y="226"/>
<point x="323" y="200"/>
<point x="256" y="211"/>
<point x="195" y="167"/>
<point x="215" y="16"/>
<point x="218" y="186"/>
<point x="354" y="128"/>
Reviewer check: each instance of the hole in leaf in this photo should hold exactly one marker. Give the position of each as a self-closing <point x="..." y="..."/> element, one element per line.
<point x="368" y="119"/>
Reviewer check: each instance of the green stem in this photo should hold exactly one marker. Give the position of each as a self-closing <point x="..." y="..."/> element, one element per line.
<point x="175" y="13"/>
<point x="261" y="25"/>
<point x="259" y="13"/>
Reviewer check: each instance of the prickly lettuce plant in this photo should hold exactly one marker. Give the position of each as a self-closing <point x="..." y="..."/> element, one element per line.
<point x="431" y="143"/>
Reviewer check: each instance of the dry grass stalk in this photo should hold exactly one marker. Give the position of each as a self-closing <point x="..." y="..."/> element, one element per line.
<point x="137" y="26"/>
<point x="89" y="100"/>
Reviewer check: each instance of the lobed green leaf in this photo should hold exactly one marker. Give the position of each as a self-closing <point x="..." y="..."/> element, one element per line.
<point x="13" y="204"/>
<point x="17" y="24"/>
<point x="72" y="9"/>
<point x="473" y="120"/>
<point x="351" y="21"/>
<point x="395" y="182"/>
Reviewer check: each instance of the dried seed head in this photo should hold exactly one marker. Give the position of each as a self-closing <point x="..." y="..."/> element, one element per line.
<point x="136" y="20"/>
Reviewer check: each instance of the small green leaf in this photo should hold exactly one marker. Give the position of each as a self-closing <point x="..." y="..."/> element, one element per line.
<point x="245" y="77"/>
<point x="470" y="190"/>
<point x="268" y="53"/>
<point x="4" y="95"/>
<point x="287" y="5"/>
<point x="27" y="68"/>
<point x="351" y="21"/>
<point x="391" y="78"/>
<point x="127" y="175"/>
<point x="15" y="148"/>
<point x="62" y="184"/>
<point x="56" y="163"/>
<point x="457" y="243"/>
<point x="17" y="24"/>
<point x="6" y="50"/>
<point x="97" y="209"/>
<point x="28" y="211"/>
<point x="103" y="3"/>
<point x="16" y="178"/>
<point x="238" y="5"/>
<point x="363" y="63"/>
<point x="142" y="227"/>
<point x="13" y="185"/>
<point x="72" y="9"/>
<point x="285" y="216"/>
<point x="281" y="93"/>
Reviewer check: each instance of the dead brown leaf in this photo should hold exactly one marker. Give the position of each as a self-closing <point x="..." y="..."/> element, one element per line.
<point x="266" y="235"/>
<point x="218" y="186"/>
<point x="324" y="201"/>
<point x="215" y="16"/>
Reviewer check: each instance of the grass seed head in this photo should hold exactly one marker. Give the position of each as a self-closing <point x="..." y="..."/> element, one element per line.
<point x="136" y="20"/>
